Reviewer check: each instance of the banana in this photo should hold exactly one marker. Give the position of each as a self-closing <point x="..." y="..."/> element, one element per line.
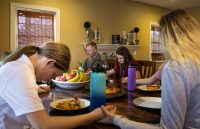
<point x="76" y="78"/>
<point x="82" y="74"/>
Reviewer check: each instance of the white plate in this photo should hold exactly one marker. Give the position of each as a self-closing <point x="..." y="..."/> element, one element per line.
<point x="84" y="103"/>
<point x="144" y="87"/>
<point x="148" y="102"/>
<point x="70" y="85"/>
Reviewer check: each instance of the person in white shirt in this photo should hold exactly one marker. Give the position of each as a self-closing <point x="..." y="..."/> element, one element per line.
<point x="180" y="78"/>
<point x="20" y="104"/>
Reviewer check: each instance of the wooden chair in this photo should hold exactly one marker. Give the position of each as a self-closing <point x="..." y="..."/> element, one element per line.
<point x="110" y="65"/>
<point x="147" y="68"/>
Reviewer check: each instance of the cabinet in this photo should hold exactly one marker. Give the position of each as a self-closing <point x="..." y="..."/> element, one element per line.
<point x="157" y="51"/>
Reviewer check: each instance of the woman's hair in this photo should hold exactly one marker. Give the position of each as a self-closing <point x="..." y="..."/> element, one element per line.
<point x="181" y="36"/>
<point x="57" y="51"/>
<point x="123" y="51"/>
<point x="128" y="58"/>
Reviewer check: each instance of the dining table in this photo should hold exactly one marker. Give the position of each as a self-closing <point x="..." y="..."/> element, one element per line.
<point x="124" y="104"/>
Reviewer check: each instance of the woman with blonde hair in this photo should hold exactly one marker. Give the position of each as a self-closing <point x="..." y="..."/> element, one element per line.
<point x="180" y="78"/>
<point x="19" y="101"/>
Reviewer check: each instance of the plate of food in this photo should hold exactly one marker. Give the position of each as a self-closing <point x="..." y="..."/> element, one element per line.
<point x="114" y="92"/>
<point x="70" y="85"/>
<point x="111" y="92"/>
<point x="148" y="102"/>
<point x="72" y="80"/>
<point x="70" y="104"/>
<point x="152" y="87"/>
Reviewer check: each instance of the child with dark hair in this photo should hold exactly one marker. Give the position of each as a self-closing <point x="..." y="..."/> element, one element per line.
<point x="124" y="59"/>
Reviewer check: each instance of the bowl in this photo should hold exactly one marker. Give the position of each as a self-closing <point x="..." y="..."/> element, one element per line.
<point x="70" y="85"/>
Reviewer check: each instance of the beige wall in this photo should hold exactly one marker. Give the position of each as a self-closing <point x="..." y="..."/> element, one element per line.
<point x="195" y="12"/>
<point x="111" y="16"/>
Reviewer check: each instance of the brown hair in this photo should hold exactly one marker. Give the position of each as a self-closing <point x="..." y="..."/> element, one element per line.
<point x="126" y="53"/>
<point x="93" y="44"/>
<point x="128" y="58"/>
<point x="57" y="51"/>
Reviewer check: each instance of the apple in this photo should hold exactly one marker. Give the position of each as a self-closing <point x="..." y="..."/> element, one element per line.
<point x="70" y="76"/>
<point x="62" y="78"/>
<point x="57" y="78"/>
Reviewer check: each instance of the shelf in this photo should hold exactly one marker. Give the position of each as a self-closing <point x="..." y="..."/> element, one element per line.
<point x="110" y="49"/>
<point x="113" y="46"/>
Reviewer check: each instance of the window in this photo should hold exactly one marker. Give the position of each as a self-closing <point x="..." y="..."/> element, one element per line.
<point x="34" y="28"/>
<point x="33" y="25"/>
<point x="157" y="53"/>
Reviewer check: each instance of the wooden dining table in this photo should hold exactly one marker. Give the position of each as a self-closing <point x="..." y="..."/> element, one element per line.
<point x="124" y="104"/>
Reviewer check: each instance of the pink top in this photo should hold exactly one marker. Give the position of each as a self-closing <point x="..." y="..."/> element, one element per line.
<point x="158" y="74"/>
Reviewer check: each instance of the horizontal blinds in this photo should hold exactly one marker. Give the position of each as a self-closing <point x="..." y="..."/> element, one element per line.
<point x="35" y="28"/>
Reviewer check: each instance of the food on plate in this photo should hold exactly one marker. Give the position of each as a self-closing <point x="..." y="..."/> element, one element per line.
<point x="76" y="78"/>
<point x="112" y="90"/>
<point x="86" y="78"/>
<point x="75" y="75"/>
<point x="61" y="78"/>
<point x="153" y="87"/>
<point x="71" y="104"/>
<point x="70" y="75"/>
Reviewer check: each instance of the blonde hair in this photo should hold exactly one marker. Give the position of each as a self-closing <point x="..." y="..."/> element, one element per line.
<point x="181" y="36"/>
<point x="57" y="51"/>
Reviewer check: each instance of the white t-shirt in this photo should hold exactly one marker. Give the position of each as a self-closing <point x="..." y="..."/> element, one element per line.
<point x="18" y="93"/>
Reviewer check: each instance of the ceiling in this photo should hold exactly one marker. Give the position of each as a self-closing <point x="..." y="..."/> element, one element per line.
<point x="172" y="4"/>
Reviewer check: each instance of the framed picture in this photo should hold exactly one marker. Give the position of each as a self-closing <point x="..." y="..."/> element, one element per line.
<point x="115" y="39"/>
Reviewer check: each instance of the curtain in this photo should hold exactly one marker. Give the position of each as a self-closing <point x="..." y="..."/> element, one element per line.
<point x="35" y="28"/>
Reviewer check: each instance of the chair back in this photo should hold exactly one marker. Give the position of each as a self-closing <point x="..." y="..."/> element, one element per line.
<point x="110" y="65"/>
<point x="147" y="68"/>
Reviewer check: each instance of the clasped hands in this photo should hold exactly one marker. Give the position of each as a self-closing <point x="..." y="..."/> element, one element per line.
<point x="43" y="88"/>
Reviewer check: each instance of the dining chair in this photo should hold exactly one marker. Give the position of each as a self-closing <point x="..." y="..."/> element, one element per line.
<point x="146" y="68"/>
<point x="110" y="65"/>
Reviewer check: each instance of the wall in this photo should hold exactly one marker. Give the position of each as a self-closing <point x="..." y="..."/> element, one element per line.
<point x="111" y="16"/>
<point x="195" y="12"/>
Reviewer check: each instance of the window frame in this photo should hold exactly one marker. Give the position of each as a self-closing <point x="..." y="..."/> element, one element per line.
<point x="13" y="21"/>
<point x="159" y="55"/>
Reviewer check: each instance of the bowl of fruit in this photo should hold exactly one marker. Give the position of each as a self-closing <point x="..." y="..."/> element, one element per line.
<point x="72" y="80"/>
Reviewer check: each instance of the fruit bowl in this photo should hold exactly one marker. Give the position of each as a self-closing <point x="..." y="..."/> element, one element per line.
<point x="70" y="85"/>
